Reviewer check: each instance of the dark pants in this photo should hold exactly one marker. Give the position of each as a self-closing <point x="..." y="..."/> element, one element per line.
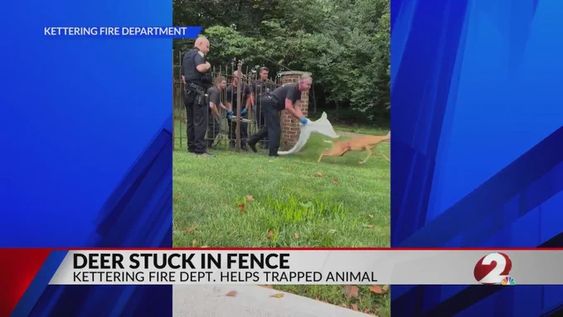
<point x="243" y="132"/>
<point x="261" y="121"/>
<point x="259" y="114"/>
<point x="197" y="121"/>
<point x="271" y="127"/>
<point x="213" y="128"/>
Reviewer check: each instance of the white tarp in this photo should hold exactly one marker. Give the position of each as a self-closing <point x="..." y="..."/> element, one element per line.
<point x="321" y="126"/>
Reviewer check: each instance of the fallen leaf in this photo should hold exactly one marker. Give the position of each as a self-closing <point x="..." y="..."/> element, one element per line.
<point x="190" y="229"/>
<point x="371" y="216"/>
<point x="378" y="289"/>
<point x="351" y="291"/>
<point x="332" y="231"/>
<point x="318" y="174"/>
<point x="242" y="207"/>
<point x="335" y="181"/>
<point x="296" y="236"/>
<point x="277" y="295"/>
<point x="270" y="234"/>
<point x="249" y="198"/>
<point x="194" y="243"/>
<point x="231" y="294"/>
<point x="355" y="307"/>
<point x="365" y="225"/>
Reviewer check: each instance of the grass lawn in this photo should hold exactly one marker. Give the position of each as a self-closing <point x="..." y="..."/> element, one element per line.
<point x="246" y="199"/>
<point x="295" y="200"/>
<point x="362" y="129"/>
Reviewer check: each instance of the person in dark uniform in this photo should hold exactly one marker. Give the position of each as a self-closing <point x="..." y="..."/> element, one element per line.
<point x="195" y="71"/>
<point x="214" y="121"/>
<point x="261" y="86"/>
<point x="286" y="97"/>
<point x="231" y="103"/>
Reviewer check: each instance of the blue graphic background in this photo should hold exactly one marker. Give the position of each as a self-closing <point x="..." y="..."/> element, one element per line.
<point x="86" y="144"/>
<point x="477" y="141"/>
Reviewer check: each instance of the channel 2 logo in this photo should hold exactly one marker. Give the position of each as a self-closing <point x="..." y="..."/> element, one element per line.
<point x="494" y="268"/>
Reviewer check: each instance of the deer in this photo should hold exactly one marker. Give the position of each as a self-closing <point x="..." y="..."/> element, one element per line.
<point x="363" y="143"/>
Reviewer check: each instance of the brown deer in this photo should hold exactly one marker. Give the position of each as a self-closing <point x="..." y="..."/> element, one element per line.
<point x="362" y="143"/>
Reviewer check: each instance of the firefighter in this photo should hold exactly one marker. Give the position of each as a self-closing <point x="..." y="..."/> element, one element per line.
<point x="286" y="97"/>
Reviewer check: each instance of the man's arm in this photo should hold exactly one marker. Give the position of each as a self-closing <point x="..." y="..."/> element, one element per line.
<point x="214" y="110"/>
<point x="249" y="102"/>
<point x="223" y="107"/>
<point x="294" y="109"/>
<point x="201" y="65"/>
<point x="203" y="68"/>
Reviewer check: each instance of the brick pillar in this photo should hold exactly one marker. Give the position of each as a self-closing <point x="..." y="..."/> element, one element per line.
<point x="290" y="124"/>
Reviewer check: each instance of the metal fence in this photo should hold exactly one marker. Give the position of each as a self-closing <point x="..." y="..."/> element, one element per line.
<point x="251" y="122"/>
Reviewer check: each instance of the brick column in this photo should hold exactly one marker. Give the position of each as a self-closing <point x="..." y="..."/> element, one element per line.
<point x="290" y="124"/>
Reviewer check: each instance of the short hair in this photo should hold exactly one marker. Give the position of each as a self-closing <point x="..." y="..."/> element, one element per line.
<point x="263" y="68"/>
<point x="218" y="80"/>
<point x="306" y="77"/>
<point x="199" y="40"/>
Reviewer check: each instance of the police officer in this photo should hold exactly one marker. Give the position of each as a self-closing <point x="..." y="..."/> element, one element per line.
<point x="261" y="86"/>
<point x="286" y="97"/>
<point x="195" y="71"/>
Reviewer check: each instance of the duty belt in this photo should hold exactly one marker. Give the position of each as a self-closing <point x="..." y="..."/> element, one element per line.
<point x="195" y="88"/>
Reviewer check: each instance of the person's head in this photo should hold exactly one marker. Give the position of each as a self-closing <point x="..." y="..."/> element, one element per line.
<point x="237" y="76"/>
<point x="264" y="71"/>
<point x="202" y="44"/>
<point x="305" y="82"/>
<point x="220" y="82"/>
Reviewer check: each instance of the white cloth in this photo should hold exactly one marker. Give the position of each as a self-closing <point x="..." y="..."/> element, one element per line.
<point x="321" y="126"/>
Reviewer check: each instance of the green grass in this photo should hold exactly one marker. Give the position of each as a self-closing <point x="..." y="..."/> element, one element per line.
<point x="366" y="301"/>
<point x="362" y="129"/>
<point x="295" y="202"/>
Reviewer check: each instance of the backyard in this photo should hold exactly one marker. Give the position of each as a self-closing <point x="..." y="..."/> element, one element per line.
<point x="248" y="200"/>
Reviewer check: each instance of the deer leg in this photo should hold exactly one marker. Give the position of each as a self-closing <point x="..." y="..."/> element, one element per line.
<point x="384" y="156"/>
<point x="367" y="157"/>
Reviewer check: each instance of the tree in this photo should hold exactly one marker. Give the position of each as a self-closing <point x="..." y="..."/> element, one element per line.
<point x="345" y="44"/>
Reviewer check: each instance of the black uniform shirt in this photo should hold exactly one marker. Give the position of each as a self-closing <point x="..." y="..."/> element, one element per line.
<point x="261" y="87"/>
<point x="289" y="91"/>
<point x="231" y="95"/>
<point x="189" y="63"/>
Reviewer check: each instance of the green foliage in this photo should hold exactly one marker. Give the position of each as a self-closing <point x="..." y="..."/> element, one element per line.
<point x="345" y="44"/>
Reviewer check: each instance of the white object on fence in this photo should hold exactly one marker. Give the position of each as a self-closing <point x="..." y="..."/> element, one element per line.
<point x="322" y="126"/>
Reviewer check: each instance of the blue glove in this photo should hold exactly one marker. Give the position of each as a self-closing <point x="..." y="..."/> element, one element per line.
<point x="303" y="120"/>
<point x="230" y="115"/>
<point x="243" y="112"/>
